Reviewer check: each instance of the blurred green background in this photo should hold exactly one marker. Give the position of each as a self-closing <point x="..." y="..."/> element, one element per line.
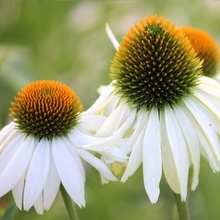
<point x="66" y="41"/>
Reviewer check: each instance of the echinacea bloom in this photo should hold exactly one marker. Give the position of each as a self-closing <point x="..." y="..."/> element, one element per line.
<point x="38" y="149"/>
<point x="160" y="109"/>
<point x="206" y="48"/>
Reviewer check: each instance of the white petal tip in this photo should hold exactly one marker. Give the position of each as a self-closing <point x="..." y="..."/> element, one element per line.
<point x="124" y="179"/>
<point x="112" y="37"/>
<point x="154" y="197"/>
<point x="108" y="178"/>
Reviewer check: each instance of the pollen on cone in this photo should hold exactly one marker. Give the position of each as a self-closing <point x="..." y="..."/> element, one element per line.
<point x="155" y="64"/>
<point x="46" y="109"/>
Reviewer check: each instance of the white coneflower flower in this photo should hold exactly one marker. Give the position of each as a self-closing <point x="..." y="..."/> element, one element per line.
<point x="166" y="112"/>
<point x="38" y="150"/>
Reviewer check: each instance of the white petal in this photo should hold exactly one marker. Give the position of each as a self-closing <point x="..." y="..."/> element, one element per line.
<point x="74" y="153"/>
<point x="112" y="37"/>
<point x="52" y="185"/>
<point x="37" y="173"/>
<point x="97" y="163"/>
<point x="6" y="131"/>
<point x="138" y="127"/>
<point x="201" y="126"/>
<point x="169" y="167"/>
<point x="209" y="91"/>
<point x="10" y="151"/>
<point x="114" y="121"/>
<point x="69" y="172"/>
<point x="205" y="148"/>
<point x="38" y="205"/>
<point x="15" y="163"/>
<point x="8" y="136"/>
<point x="174" y="150"/>
<point x="17" y="193"/>
<point x="114" y="154"/>
<point x="105" y="143"/>
<point x="92" y="123"/>
<point x="211" y="83"/>
<point x="135" y="158"/>
<point x="205" y="124"/>
<point x="79" y="137"/>
<point x="110" y="105"/>
<point x="185" y="121"/>
<point x="152" y="159"/>
<point x="211" y="112"/>
<point x="99" y="104"/>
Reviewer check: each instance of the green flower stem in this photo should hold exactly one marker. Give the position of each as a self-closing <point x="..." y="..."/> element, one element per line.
<point x="70" y="206"/>
<point x="182" y="208"/>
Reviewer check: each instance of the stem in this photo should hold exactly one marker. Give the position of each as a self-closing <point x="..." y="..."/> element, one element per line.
<point x="182" y="208"/>
<point x="69" y="204"/>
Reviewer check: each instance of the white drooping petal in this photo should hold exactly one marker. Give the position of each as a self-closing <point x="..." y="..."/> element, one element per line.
<point x="73" y="151"/>
<point x="112" y="37"/>
<point x="78" y="137"/>
<point x="110" y="106"/>
<point x="210" y="83"/>
<point x="92" y="123"/>
<point x="7" y="129"/>
<point x="169" y="167"/>
<point x="174" y="152"/>
<point x="213" y="100"/>
<point x="69" y="172"/>
<point x="114" y="154"/>
<point x="135" y="158"/>
<point x="37" y="173"/>
<point x="52" y="185"/>
<point x="14" y="162"/>
<point x="104" y="143"/>
<point x="137" y="128"/>
<point x="205" y="149"/>
<point x="212" y="93"/>
<point x="209" y="110"/>
<point x="17" y="192"/>
<point x="8" y="136"/>
<point x="114" y="121"/>
<point x="97" y="164"/>
<point x="206" y="127"/>
<point x="100" y="103"/>
<point x="152" y="158"/>
<point x="185" y="121"/>
<point x="38" y="205"/>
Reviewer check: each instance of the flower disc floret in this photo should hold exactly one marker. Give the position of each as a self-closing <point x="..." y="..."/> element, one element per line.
<point x="155" y="65"/>
<point x="46" y="109"/>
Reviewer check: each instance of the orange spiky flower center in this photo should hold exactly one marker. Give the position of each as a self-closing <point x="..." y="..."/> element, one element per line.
<point x="155" y="65"/>
<point x="46" y="109"/>
<point x="206" y="48"/>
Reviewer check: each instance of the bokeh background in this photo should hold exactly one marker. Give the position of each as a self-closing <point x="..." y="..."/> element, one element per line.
<point x="66" y="41"/>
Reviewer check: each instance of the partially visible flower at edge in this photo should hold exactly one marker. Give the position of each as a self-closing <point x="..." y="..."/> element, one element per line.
<point x="206" y="48"/>
<point x="161" y="105"/>
<point x="39" y="148"/>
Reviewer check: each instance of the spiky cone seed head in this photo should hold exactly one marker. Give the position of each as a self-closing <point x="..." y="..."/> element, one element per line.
<point x="155" y="65"/>
<point x="46" y="109"/>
